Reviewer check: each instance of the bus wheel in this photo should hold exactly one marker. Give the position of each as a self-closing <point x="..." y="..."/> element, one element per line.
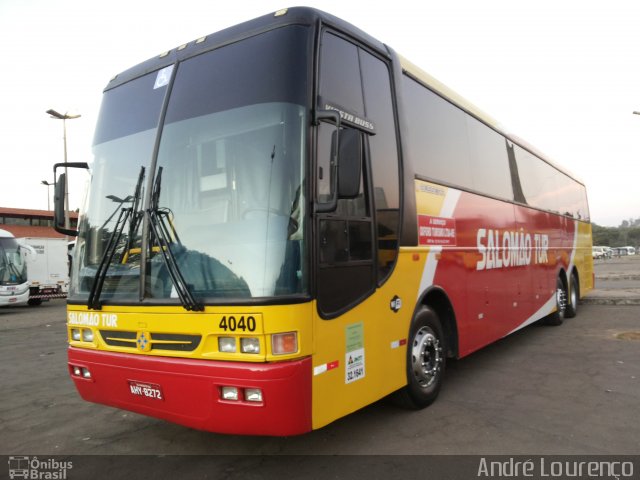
<point x="574" y="293"/>
<point x="557" y="317"/>
<point x="34" y="301"/>
<point x="426" y="358"/>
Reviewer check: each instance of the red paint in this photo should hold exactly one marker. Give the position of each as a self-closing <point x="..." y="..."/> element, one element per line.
<point x="490" y="303"/>
<point x="191" y="391"/>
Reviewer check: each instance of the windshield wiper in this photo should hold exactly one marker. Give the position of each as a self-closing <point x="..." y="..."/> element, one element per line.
<point x="112" y="245"/>
<point x="158" y="220"/>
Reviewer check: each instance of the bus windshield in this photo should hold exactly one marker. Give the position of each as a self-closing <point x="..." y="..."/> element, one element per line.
<point x="223" y="212"/>
<point x="13" y="269"/>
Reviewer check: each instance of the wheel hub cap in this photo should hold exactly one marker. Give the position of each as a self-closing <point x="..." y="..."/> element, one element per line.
<point x="426" y="357"/>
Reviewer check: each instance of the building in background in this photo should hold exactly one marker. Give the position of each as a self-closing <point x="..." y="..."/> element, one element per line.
<point x="23" y="222"/>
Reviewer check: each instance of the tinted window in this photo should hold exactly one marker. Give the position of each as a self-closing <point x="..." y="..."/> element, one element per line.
<point x="384" y="159"/>
<point x="132" y="109"/>
<point x="437" y="135"/>
<point x="547" y="188"/>
<point x="340" y="78"/>
<point x="539" y="181"/>
<point x="489" y="160"/>
<point x="264" y="68"/>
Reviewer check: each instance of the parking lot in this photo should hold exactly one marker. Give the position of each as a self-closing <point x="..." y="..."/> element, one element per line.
<point x="573" y="389"/>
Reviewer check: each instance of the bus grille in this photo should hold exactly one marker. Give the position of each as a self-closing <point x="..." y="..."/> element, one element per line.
<point x="159" y="341"/>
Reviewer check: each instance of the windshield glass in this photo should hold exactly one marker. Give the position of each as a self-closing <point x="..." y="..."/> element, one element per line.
<point x="232" y="188"/>
<point x="229" y="183"/>
<point x="13" y="270"/>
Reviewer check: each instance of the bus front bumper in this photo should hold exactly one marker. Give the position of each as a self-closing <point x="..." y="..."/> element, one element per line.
<point x="190" y="392"/>
<point x="11" y="299"/>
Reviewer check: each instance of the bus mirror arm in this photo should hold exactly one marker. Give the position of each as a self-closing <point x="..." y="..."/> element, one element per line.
<point x="333" y="117"/>
<point x="59" y="195"/>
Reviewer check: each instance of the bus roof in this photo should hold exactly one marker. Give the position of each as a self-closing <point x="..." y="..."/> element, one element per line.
<point x="286" y="16"/>
<point x="5" y="234"/>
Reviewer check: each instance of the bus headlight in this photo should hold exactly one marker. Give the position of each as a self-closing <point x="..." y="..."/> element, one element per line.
<point x="75" y="334"/>
<point x="250" y="345"/>
<point x="87" y="335"/>
<point x="227" y="344"/>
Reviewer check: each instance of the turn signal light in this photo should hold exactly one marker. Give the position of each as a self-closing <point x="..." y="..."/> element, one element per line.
<point x="284" y="343"/>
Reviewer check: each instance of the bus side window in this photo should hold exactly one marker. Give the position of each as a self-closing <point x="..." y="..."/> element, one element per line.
<point x="383" y="150"/>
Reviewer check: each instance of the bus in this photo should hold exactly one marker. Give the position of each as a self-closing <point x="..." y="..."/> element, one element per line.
<point x="287" y="221"/>
<point x="14" y="287"/>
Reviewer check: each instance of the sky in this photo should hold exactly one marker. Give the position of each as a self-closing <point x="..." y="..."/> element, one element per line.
<point x="562" y="74"/>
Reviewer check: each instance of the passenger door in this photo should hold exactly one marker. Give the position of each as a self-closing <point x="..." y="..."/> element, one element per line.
<point x="357" y="244"/>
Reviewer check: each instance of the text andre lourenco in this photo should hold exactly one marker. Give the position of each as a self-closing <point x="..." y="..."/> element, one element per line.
<point x="565" y="468"/>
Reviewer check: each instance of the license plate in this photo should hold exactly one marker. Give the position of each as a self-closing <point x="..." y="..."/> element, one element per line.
<point x="146" y="390"/>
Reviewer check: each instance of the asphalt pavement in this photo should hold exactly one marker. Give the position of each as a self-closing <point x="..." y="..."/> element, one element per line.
<point x="617" y="282"/>
<point x="567" y="390"/>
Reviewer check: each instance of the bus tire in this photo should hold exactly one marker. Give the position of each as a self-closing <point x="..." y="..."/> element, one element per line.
<point x="557" y="317"/>
<point x="426" y="359"/>
<point x="572" y="301"/>
<point x="34" y="301"/>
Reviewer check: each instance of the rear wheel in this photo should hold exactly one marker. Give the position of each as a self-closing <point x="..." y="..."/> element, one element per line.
<point x="425" y="361"/>
<point x="557" y="317"/>
<point x="574" y="293"/>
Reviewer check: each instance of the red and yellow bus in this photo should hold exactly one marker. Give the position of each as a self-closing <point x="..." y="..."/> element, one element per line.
<point x="286" y="221"/>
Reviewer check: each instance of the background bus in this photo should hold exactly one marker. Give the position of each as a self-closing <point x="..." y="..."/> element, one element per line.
<point x="287" y="221"/>
<point x="14" y="287"/>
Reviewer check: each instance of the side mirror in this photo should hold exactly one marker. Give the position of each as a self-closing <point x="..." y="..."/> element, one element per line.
<point x="59" y="192"/>
<point x="350" y="163"/>
<point x="59" y="195"/>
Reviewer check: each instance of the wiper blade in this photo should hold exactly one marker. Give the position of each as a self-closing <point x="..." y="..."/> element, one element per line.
<point x="158" y="219"/>
<point x="112" y="245"/>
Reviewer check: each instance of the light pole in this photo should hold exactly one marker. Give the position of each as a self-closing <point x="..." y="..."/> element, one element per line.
<point x="64" y="118"/>
<point x="48" y="184"/>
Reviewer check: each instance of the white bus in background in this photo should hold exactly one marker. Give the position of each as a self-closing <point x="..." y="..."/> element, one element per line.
<point x="14" y="287"/>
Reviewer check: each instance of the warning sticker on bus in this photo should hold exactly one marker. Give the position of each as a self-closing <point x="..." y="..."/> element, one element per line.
<point x="354" y="358"/>
<point x="436" y="231"/>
